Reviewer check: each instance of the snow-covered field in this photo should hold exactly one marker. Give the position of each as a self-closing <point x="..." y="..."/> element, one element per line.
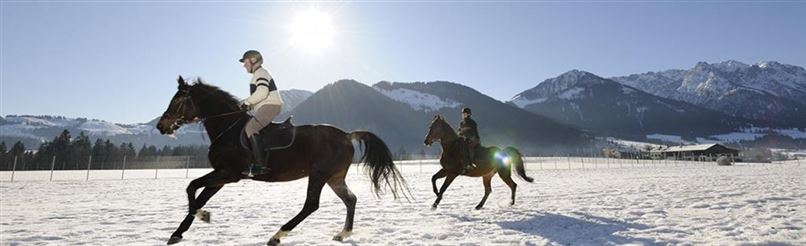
<point x="605" y="203"/>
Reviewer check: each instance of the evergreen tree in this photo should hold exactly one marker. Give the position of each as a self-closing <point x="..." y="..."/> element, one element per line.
<point x="142" y="153"/>
<point x="43" y="157"/>
<point x="17" y="151"/>
<point x="61" y="149"/>
<point x="5" y="162"/>
<point x="113" y="154"/>
<point x="82" y="150"/>
<point x="166" y="150"/>
<point x="99" y="153"/>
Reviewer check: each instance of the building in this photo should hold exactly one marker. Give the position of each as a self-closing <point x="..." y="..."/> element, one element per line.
<point x="701" y="152"/>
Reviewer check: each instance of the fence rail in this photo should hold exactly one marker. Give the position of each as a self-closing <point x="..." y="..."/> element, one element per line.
<point x="182" y="167"/>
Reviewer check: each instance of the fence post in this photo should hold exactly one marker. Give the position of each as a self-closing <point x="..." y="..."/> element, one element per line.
<point x="187" y="167"/>
<point x="52" y="165"/>
<point x="123" y="169"/>
<point x="14" y="168"/>
<point x="157" y="168"/>
<point x="583" y="160"/>
<point x="540" y="161"/>
<point x="569" y="161"/>
<point x="89" y="163"/>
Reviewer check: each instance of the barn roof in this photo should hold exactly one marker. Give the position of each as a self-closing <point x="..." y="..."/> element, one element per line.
<point x="698" y="147"/>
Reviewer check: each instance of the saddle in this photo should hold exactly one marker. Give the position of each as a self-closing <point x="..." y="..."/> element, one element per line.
<point x="277" y="135"/>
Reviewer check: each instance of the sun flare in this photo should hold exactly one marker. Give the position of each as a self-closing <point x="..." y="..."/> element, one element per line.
<point x="312" y="31"/>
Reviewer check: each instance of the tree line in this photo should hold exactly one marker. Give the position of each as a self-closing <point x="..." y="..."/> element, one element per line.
<point x="65" y="152"/>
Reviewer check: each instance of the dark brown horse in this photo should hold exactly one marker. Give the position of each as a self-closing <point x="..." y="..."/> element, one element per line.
<point x="322" y="153"/>
<point x="491" y="161"/>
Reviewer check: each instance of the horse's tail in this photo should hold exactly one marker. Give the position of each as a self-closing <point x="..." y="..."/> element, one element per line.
<point x="381" y="167"/>
<point x="516" y="159"/>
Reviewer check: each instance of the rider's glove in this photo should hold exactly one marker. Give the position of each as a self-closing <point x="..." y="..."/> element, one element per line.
<point x="245" y="106"/>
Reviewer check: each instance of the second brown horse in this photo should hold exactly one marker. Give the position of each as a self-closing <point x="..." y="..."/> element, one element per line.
<point x="493" y="160"/>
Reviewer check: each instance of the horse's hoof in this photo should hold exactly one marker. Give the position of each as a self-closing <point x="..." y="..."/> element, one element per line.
<point x="174" y="239"/>
<point x="273" y="242"/>
<point x="342" y="235"/>
<point x="478" y="207"/>
<point x="434" y="207"/>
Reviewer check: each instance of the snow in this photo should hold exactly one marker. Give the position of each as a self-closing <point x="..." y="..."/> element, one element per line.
<point x="641" y="109"/>
<point x="667" y="138"/>
<point x="39" y="122"/>
<point x="571" y="93"/>
<point x="793" y="133"/>
<point x="746" y="134"/>
<point x="103" y="128"/>
<point x="738" y="136"/>
<point x="697" y="147"/>
<point x="615" y="202"/>
<point x="25" y="131"/>
<point x="418" y="100"/>
<point x="730" y="66"/>
<point x="522" y="101"/>
<point x="633" y="145"/>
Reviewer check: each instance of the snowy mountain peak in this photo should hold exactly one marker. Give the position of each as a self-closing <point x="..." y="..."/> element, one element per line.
<point x="574" y="75"/>
<point x="417" y="100"/>
<point x="748" y="91"/>
<point x="568" y="85"/>
<point x="731" y="66"/>
<point x="768" y="64"/>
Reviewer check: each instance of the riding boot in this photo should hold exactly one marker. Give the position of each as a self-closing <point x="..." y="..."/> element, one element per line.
<point x="468" y="155"/>
<point x="258" y="166"/>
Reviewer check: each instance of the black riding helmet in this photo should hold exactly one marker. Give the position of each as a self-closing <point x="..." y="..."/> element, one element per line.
<point x="466" y="110"/>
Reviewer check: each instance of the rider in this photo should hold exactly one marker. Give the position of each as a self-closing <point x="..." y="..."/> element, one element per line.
<point x="470" y="133"/>
<point x="264" y="102"/>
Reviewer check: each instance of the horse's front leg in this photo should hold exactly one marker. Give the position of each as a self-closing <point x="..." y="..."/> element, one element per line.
<point x="448" y="180"/>
<point x="440" y="174"/>
<point x="212" y="182"/>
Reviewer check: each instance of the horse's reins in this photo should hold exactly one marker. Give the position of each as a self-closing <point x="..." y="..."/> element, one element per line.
<point x="228" y="128"/>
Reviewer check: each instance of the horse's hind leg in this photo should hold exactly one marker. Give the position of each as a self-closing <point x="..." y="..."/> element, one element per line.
<point x="487" y="190"/>
<point x="506" y="176"/>
<point x="315" y="185"/>
<point x="340" y="188"/>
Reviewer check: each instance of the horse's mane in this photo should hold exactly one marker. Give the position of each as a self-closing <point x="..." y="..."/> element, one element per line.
<point x="443" y="121"/>
<point x="210" y="94"/>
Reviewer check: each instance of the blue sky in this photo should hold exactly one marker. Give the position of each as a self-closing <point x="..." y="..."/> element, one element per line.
<point x="118" y="61"/>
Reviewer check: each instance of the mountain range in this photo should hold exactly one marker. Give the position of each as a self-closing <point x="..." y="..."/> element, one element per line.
<point x="726" y="101"/>
<point x="765" y="91"/>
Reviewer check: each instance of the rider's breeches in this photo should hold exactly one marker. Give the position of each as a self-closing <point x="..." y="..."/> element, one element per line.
<point x="263" y="117"/>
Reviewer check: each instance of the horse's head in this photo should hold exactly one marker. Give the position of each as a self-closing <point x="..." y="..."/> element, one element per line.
<point x="181" y="109"/>
<point x="438" y="129"/>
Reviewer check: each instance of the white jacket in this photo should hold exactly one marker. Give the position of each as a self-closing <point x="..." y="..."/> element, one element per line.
<point x="263" y="89"/>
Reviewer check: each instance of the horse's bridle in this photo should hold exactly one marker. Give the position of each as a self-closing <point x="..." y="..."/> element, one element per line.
<point x="181" y="120"/>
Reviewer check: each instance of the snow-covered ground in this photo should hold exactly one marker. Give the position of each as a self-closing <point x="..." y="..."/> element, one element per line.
<point x="607" y="202"/>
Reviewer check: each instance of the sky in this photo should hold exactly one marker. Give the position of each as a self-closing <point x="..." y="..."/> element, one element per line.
<point x="118" y="60"/>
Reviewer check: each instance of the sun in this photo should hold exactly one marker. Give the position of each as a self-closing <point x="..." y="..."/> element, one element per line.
<point x="312" y="31"/>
